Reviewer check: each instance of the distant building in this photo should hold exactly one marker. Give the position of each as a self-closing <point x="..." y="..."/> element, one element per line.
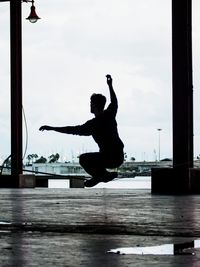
<point x="128" y="168"/>
<point x="57" y="168"/>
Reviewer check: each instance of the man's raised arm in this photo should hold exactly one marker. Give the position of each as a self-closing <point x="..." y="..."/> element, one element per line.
<point x="113" y="97"/>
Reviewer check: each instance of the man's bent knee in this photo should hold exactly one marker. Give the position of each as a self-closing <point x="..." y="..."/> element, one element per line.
<point x="83" y="159"/>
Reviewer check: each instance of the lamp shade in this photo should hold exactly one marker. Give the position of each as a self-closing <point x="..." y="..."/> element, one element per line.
<point x="33" y="17"/>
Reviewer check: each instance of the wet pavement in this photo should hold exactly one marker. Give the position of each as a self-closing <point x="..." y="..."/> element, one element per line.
<point x="56" y="249"/>
<point x="98" y="227"/>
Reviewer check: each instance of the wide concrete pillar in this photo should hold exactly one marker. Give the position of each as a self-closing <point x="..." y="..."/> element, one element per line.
<point x="176" y="180"/>
<point x="182" y="84"/>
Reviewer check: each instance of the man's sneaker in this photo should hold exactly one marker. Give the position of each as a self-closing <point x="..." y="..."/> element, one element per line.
<point x="109" y="177"/>
<point x="92" y="182"/>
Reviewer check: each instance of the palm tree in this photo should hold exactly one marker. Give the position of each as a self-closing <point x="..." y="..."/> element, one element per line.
<point x="54" y="158"/>
<point x="132" y="159"/>
<point x="41" y="160"/>
<point x="31" y="158"/>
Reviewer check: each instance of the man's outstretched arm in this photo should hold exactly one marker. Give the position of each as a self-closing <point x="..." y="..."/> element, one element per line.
<point x="85" y="129"/>
<point x="65" y="129"/>
<point x="113" y="97"/>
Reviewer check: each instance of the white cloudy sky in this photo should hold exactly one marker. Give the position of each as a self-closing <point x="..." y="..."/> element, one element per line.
<point x="66" y="56"/>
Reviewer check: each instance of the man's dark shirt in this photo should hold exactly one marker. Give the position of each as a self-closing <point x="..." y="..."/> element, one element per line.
<point x="103" y="129"/>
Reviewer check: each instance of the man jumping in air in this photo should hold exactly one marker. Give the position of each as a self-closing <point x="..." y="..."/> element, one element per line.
<point x="103" y="129"/>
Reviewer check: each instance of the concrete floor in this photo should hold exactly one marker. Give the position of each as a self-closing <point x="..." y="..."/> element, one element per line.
<point x="77" y="227"/>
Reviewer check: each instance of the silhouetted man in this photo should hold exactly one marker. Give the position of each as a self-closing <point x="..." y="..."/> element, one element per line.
<point x="103" y="129"/>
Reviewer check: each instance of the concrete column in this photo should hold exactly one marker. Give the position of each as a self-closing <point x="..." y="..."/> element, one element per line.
<point x="182" y="84"/>
<point x="177" y="180"/>
<point x="16" y="91"/>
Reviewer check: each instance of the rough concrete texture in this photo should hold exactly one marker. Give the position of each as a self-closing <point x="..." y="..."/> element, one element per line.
<point x="76" y="227"/>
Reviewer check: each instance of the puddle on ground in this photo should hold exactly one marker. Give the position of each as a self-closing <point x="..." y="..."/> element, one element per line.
<point x="187" y="248"/>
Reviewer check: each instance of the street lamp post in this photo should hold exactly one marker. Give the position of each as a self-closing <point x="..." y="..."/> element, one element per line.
<point x="159" y="130"/>
<point x="16" y="89"/>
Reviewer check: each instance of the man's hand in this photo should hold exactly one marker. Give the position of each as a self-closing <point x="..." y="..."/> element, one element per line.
<point x="109" y="80"/>
<point x="45" y="127"/>
<point x="113" y="97"/>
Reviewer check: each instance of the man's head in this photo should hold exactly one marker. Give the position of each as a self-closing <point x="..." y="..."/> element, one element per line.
<point x="97" y="103"/>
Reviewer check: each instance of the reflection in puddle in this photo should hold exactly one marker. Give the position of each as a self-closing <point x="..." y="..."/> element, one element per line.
<point x="166" y="249"/>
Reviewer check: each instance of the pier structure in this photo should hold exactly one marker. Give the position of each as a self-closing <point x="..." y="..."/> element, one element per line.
<point x="79" y="227"/>
<point x="182" y="178"/>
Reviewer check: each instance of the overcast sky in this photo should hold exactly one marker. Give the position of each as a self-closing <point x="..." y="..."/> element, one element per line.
<point x="66" y="56"/>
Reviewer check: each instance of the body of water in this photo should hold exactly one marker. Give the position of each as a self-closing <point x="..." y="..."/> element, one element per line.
<point x="138" y="182"/>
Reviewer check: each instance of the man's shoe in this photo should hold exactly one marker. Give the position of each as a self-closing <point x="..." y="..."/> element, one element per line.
<point x="92" y="182"/>
<point x="109" y="177"/>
